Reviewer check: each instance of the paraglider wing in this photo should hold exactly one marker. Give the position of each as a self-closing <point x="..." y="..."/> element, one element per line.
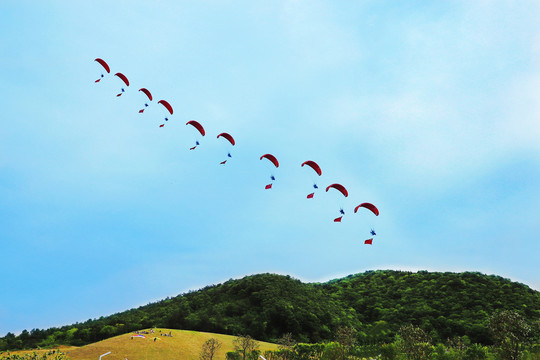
<point x="310" y="196"/>
<point x="167" y="105"/>
<point x="314" y="166"/>
<point x="368" y="241"/>
<point x="197" y="126"/>
<point x="123" y="77"/>
<point x="146" y="92"/>
<point x="269" y="186"/>
<point x="228" y="137"/>
<point x="338" y="187"/>
<point x="272" y="158"/>
<point x="338" y="219"/>
<point x="104" y="64"/>
<point x="368" y="206"/>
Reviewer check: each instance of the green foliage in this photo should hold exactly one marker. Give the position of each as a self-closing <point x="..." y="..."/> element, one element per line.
<point x="253" y="355"/>
<point x="419" y="348"/>
<point x="415" y="343"/>
<point x="511" y="333"/>
<point x="388" y="352"/>
<point x="308" y="351"/>
<point x="245" y="346"/>
<point x="233" y="355"/>
<point x="334" y="351"/>
<point x="476" y="352"/>
<point x="266" y="306"/>
<point x="441" y="352"/>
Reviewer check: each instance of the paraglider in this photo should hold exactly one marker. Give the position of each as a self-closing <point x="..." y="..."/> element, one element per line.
<point x="374" y="210"/>
<point x="149" y="95"/>
<point x="314" y="166"/>
<point x="197" y="126"/>
<point x="228" y="137"/>
<point x="368" y="241"/>
<point x="105" y="66"/>
<point x="339" y="188"/>
<point x="167" y="106"/>
<point x="317" y="169"/>
<point x="275" y="162"/>
<point x="344" y="192"/>
<point x="231" y="140"/>
<point x="124" y="79"/>
<point x="200" y="128"/>
<point x="272" y="159"/>
<point x="368" y="206"/>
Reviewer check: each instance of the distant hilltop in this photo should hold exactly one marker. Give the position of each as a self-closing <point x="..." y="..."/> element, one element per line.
<point x="266" y="306"/>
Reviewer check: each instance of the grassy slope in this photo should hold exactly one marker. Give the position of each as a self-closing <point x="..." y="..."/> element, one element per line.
<point x="62" y="348"/>
<point x="184" y="345"/>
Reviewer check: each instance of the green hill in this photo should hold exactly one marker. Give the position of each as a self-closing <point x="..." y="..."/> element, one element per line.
<point x="266" y="306"/>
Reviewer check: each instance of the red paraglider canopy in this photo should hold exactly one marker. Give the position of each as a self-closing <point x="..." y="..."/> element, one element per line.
<point x="144" y="90"/>
<point x="368" y="241"/>
<point x="167" y="105"/>
<point x="272" y="158"/>
<point x="197" y="126"/>
<point x="123" y="77"/>
<point x="369" y="206"/>
<point x="228" y="137"/>
<point x="104" y="64"/>
<point x="338" y="187"/>
<point x="314" y="166"/>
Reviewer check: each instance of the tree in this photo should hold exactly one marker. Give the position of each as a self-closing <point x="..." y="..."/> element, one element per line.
<point x="233" y="355"/>
<point x="476" y="352"/>
<point x="346" y="337"/>
<point x="245" y="345"/>
<point x="388" y="352"/>
<point x="209" y="349"/>
<point x="286" y="342"/>
<point x="510" y="332"/>
<point x="414" y="342"/>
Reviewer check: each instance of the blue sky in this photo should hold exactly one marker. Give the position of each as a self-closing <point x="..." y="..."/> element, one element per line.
<point x="429" y="110"/>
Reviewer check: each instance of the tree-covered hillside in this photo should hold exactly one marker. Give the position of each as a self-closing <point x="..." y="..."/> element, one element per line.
<point x="266" y="306"/>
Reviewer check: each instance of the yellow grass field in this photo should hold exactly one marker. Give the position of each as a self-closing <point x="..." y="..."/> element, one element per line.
<point x="63" y="349"/>
<point x="183" y="345"/>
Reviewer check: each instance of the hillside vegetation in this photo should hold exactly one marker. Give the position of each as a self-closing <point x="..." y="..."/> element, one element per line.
<point x="266" y="306"/>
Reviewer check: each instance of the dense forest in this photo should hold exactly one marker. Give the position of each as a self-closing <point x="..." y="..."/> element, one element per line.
<point x="266" y="306"/>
